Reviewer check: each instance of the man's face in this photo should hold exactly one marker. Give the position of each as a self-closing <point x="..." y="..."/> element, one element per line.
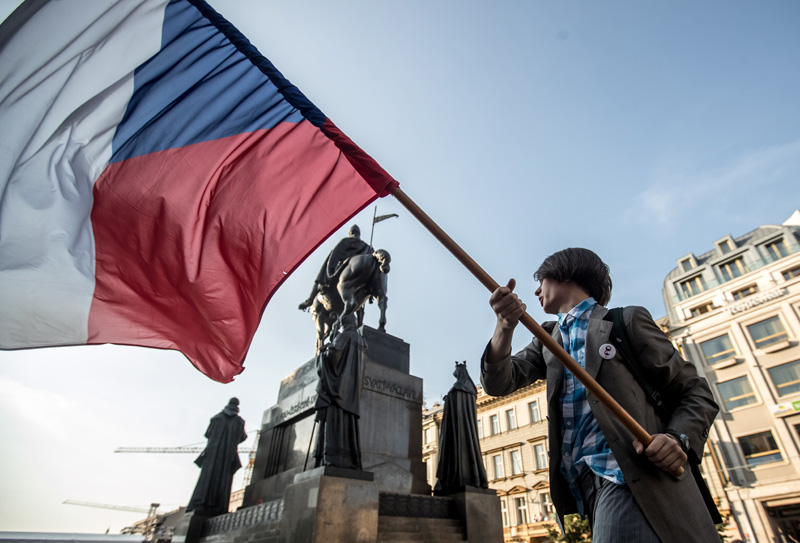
<point x="553" y="296"/>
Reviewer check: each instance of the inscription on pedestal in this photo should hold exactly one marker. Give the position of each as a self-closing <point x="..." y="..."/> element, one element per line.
<point x="392" y="389"/>
<point x="295" y="409"/>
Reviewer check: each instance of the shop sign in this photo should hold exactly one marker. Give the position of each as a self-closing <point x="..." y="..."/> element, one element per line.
<point x="783" y="409"/>
<point x="756" y="299"/>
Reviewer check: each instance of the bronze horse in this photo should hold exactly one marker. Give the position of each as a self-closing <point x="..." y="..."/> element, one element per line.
<point x="362" y="278"/>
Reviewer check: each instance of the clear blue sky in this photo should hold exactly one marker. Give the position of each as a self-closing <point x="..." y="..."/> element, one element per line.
<point x="642" y="130"/>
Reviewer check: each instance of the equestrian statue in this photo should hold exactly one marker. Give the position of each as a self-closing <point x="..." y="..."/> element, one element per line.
<point x="352" y="274"/>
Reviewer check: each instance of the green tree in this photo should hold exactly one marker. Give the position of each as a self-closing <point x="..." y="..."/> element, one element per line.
<point x="576" y="530"/>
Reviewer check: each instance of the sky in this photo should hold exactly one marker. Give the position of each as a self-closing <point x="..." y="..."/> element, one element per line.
<point x="641" y="130"/>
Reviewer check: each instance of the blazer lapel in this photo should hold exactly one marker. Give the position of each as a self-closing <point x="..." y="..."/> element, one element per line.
<point x="555" y="370"/>
<point x="597" y="334"/>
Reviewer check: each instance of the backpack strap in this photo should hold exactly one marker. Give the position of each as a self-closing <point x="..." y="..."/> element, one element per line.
<point x="623" y="345"/>
<point x="620" y="335"/>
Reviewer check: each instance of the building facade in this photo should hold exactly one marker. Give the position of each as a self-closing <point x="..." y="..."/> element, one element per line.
<point x="735" y="312"/>
<point x="513" y="439"/>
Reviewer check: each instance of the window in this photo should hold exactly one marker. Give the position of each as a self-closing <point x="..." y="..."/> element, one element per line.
<point x="429" y="469"/>
<point x="737" y="393"/>
<point x="428" y="435"/>
<point x="516" y="462"/>
<point x="521" y="506"/>
<point x="480" y="429"/>
<point x="786" y="378"/>
<point x="497" y="462"/>
<point x="533" y="409"/>
<point x="725" y="247"/>
<point x="540" y="454"/>
<point x="776" y="250"/>
<point x="791" y="274"/>
<point x="495" y="424"/>
<point x="744" y="292"/>
<point x="692" y="286"/>
<point x="732" y="268"/>
<point x="504" y="510"/>
<point x="700" y="309"/>
<point x="760" y="448"/>
<point x="547" y="505"/>
<point x="686" y="264"/>
<point x="718" y="349"/>
<point x="767" y="332"/>
<point x="511" y="419"/>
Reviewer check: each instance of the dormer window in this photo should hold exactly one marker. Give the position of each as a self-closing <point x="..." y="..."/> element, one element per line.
<point x="691" y="287"/>
<point x="725" y="246"/>
<point x="776" y="249"/>
<point x="686" y="263"/>
<point x="732" y="269"/>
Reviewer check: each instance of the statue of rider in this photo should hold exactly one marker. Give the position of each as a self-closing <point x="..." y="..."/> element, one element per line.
<point x="350" y="246"/>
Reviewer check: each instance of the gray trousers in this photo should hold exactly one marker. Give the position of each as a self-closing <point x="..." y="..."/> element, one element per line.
<point x="613" y="513"/>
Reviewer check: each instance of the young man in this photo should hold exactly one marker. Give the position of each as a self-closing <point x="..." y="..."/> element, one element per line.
<point x="597" y="468"/>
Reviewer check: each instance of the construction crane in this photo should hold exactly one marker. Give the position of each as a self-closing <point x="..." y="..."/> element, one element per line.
<point x="196" y="449"/>
<point x="175" y="450"/>
<point x="149" y="527"/>
<point x="153" y="507"/>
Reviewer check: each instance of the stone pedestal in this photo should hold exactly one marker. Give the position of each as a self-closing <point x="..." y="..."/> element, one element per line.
<point x="390" y="426"/>
<point x="321" y="508"/>
<point x="189" y="529"/>
<point x="479" y="511"/>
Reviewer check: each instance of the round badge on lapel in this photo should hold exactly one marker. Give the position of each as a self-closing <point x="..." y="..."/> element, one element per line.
<point x="607" y="351"/>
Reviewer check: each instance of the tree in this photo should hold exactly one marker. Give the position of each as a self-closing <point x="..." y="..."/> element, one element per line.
<point x="576" y="530"/>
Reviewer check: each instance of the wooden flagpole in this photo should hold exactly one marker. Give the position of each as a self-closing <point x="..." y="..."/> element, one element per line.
<point x="541" y="334"/>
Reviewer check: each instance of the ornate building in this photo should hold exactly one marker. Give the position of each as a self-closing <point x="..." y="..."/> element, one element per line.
<point x="735" y="312"/>
<point x="513" y="437"/>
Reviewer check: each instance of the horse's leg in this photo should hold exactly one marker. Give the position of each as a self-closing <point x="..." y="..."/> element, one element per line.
<point x="320" y="324"/>
<point x="382" y="302"/>
<point x="333" y="325"/>
<point x="360" y="316"/>
<point x="347" y="292"/>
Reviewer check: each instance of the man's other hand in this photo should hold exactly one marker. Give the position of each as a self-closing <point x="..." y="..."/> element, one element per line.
<point x="664" y="452"/>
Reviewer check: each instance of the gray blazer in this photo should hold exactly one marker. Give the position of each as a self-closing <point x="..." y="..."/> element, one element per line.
<point x="674" y="507"/>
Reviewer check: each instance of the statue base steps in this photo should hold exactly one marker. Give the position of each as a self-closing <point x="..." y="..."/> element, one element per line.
<point x="324" y="508"/>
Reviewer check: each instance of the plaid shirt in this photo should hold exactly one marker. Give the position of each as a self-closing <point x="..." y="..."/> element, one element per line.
<point x="583" y="443"/>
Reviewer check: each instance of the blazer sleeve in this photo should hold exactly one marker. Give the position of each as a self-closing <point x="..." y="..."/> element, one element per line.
<point x="683" y="390"/>
<point x="514" y="371"/>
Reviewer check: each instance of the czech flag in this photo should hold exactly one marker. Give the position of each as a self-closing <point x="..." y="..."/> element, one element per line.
<point x="159" y="179"/>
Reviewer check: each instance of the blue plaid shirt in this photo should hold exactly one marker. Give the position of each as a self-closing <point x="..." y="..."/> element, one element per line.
<point x="583" y="443"/>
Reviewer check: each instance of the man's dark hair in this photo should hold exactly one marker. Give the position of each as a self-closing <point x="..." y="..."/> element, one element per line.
<point x="580" y="266"/>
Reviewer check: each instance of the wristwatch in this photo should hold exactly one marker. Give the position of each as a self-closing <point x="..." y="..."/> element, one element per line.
<point x="683" y="439"/>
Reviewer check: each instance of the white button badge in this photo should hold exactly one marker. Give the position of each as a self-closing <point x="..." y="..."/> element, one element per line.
<point x="607" y="351"/>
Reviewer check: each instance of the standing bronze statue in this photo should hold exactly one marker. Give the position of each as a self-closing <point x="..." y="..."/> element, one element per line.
<point x="340" y="369"/>
<point x="351" y="275"/>
<point x="460" y="461"/>
<point x="218" y="462"/>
